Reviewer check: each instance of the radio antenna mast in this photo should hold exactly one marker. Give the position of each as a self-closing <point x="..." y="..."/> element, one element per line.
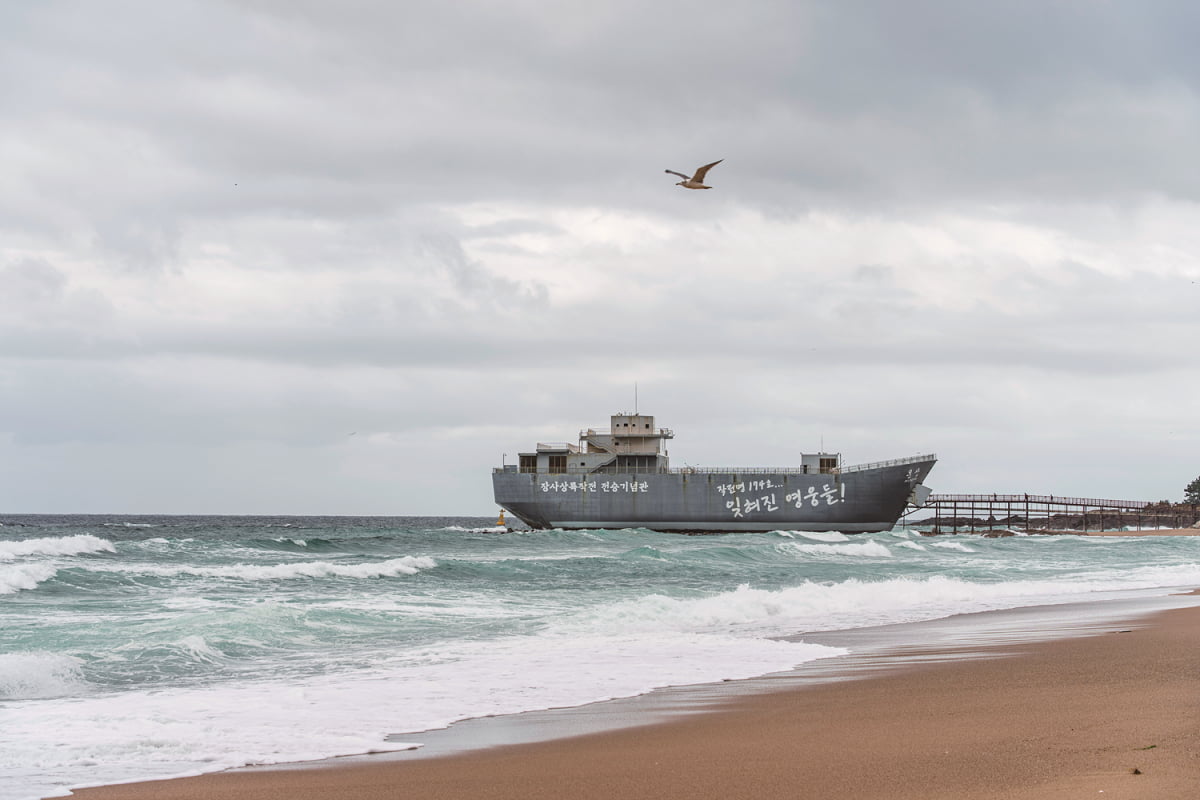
<point x="635" y="402"/>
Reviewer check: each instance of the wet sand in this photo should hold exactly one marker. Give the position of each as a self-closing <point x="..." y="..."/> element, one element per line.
<point x="1059" y="719"/>
<point x="1169" y="532"/>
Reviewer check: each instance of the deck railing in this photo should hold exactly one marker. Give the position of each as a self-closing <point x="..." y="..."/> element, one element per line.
<point x="895" y="462"/>
<point x="558" y="447"/>
<point x="665" y="433"/>
<point x="570" y="470"/>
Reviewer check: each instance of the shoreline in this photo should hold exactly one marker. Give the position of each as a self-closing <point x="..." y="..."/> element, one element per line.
<point x="982" y="531"/>
<point x="916" y="692"/>
<point x="1145" y="532"/>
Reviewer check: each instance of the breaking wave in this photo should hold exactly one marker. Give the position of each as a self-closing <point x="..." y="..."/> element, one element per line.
<point x="865" y="549"/>
<point x="406" y="565"/>
<point x="19" y="577"/>
<point x="484" y="529"/>
<point x="816" y="536"/>
<point x="813" y="606"/>
<point x="55" y="546"/>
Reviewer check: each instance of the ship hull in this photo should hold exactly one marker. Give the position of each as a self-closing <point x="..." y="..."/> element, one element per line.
<point x="854" y="501"/>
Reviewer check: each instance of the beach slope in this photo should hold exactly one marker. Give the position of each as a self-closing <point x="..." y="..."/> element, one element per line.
<point x="1115" y="715"/>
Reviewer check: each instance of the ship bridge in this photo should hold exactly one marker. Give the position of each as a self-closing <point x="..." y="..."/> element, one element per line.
<point x="631" y="444"/>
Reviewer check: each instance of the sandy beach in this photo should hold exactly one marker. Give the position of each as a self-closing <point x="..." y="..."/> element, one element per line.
<point x="1116" y="713"/>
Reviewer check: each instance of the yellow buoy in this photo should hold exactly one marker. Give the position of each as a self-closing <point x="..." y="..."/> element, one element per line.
<point x="500" y="522"/>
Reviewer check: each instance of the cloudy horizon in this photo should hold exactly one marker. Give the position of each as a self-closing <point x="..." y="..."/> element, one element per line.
<point x="306" y="258"/>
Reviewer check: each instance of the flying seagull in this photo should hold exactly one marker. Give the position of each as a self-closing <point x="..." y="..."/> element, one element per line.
<point x="697" y="180"/>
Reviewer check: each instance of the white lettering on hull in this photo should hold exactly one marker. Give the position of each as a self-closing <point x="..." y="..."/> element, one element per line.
<point x="593" y="486"/>
<point x="741" y="506"/>
<point x="738" y="505"/>
<point x="747" y="486"/>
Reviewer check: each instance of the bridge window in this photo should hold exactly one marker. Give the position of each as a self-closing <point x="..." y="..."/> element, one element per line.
<point x="558" y="464"/>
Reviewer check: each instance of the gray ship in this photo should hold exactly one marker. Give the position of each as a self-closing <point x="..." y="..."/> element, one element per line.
<point x="622" y="478"/>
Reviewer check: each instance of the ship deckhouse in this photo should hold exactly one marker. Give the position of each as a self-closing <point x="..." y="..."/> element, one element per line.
<point x="631" y="445"/>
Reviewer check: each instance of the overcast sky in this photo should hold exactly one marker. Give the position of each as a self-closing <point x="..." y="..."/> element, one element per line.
<point x="298" y="257"/>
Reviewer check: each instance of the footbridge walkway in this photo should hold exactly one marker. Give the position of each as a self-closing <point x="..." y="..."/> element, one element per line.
<point x="949" y="513"/>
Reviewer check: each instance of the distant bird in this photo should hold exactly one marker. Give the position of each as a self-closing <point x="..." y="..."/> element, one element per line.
<point x="697" y="180"/>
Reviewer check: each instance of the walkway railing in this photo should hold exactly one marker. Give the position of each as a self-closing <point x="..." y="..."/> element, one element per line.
<point x="1088" y="502"/>
<point x="1046" y="512"/>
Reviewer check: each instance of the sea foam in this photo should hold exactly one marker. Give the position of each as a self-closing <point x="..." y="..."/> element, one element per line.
<point x="952" y="546"/>
<point x="29" y="676"/>
<point x="825" y="536"/>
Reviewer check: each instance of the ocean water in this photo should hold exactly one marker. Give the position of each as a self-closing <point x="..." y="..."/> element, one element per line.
<point x="141" y="647"/>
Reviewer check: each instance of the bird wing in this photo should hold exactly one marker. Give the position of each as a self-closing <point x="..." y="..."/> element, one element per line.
<point x="700" y="173"/>
<point x="673" y="172"/>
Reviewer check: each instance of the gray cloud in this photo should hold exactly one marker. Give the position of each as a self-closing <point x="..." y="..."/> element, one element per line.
<point x="233" y="233"/>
